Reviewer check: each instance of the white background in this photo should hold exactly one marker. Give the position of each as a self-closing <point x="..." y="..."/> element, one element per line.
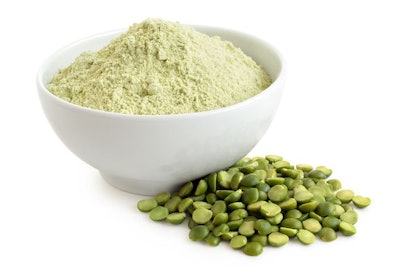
<point x="340" y="108"/>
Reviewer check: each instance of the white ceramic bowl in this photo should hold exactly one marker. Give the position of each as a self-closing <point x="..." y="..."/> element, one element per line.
<point x="147" y="154"/>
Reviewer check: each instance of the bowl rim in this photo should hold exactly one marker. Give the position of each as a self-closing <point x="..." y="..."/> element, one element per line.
<point x="275" y="85"/>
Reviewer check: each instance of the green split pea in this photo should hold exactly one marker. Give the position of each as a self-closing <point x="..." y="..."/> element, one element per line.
<point x="259" y="202"/>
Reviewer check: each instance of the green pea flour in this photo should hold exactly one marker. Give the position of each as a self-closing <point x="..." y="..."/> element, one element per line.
<point x="160" y="67"/>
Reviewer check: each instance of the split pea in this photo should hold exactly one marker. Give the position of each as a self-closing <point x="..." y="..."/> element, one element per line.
<point x="312" y="225"/>
<point x="238" y="241"/>
<point x="349" y="216"/>
<point x="277" y="239"/>
<point x="176" y="217"/>
<point x="361" y="202"/>
<point x="202" y="215"/>
<point x="212" y="240"/>
<point x="146" y="205"/>
<point x="277" y="193"/>
<point x="327" y="234"/>
<point x="159" y="213"/>
<point x="346" y="228"/>
<point x="345" y="195"/>
<point x="253" y="249"/>
<point x="162" y="198"/>
<point x="198" y="232"/>
<point x="306" y="237"/>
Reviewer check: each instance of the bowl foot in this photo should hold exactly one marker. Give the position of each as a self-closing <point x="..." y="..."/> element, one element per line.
<point x="137" y="186"/>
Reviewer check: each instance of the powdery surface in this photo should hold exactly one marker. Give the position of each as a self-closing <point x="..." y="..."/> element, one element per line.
<point x="160" y="67"/>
